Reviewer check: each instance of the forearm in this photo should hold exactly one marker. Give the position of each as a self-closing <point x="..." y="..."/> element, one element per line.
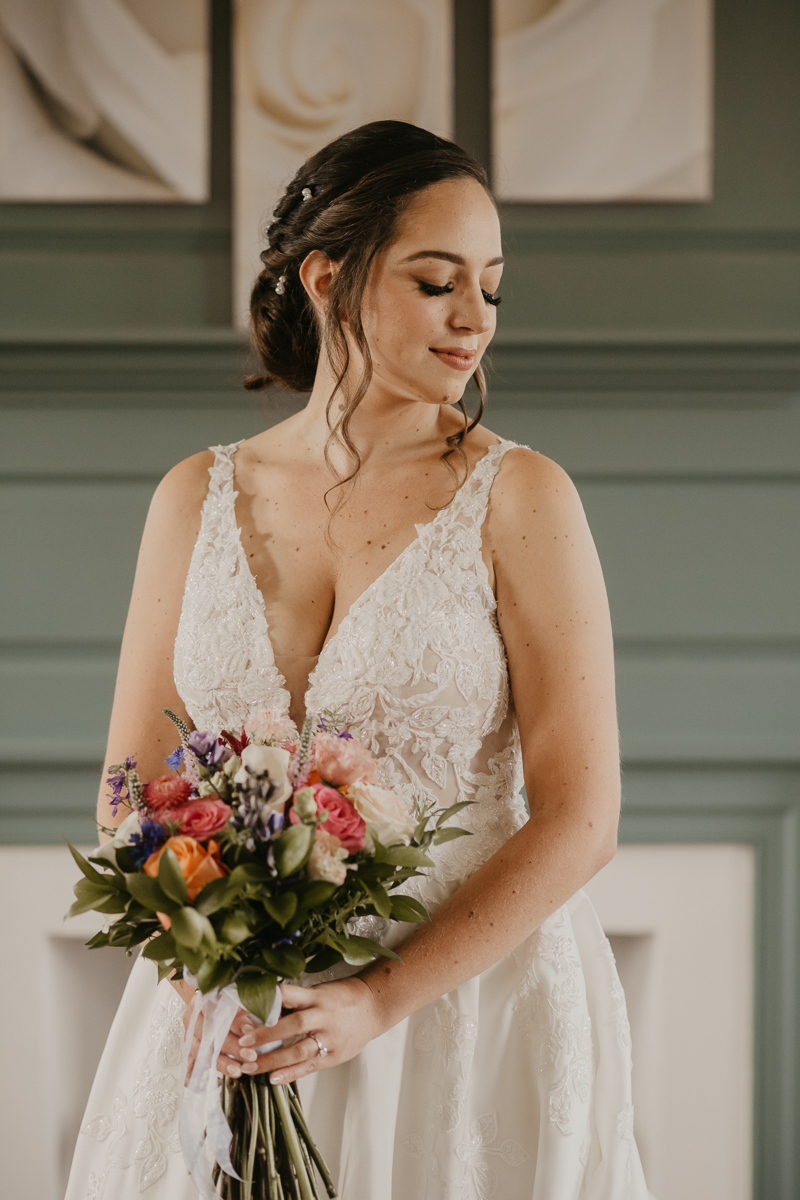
<point x="493" y="911"/>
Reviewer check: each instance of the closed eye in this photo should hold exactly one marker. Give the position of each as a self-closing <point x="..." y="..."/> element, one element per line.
<point x="431" y="289"/>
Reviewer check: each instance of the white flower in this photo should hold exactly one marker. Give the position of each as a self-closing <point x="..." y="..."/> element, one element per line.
<point x="327" y="859"/>
<point x="385" y="813"/>
<point x="270" y="761"/>
<point x="126" y="829"/>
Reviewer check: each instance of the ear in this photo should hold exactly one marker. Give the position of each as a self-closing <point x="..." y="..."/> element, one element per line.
<point x="317" y="273"/>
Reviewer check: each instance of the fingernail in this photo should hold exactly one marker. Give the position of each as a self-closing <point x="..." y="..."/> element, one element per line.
<point x="249" y="1056"/>
<point x="249" y="1040"/>
<point x="249" y="1068"/>
<point x="276" y="1078"/>
<point x="234" y="1071"/>
<point x="248" y="1028"/>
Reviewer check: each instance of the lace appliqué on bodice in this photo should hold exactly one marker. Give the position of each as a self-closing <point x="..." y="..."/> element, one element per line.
<point x="224" y="666"/>
<point x="417" y="668"/>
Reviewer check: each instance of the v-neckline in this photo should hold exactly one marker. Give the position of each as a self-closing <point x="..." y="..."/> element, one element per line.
<point x="245" y="565"/>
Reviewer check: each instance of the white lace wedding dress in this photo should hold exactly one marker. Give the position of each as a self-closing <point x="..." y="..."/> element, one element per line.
<point x="516" y="1086"/>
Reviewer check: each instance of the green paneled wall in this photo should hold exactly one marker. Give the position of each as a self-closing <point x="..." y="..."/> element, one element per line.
<point x="653" y="350"/>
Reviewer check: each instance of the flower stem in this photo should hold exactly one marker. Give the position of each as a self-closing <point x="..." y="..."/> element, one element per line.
<point x="307" y="1190"/>
<point x="321" y="1165"/>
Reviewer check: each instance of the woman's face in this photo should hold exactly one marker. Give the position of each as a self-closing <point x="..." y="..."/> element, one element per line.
<point x="428" y="310"/>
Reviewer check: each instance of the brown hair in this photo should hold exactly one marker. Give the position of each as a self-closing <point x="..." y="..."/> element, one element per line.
<point x="345" y="201"/>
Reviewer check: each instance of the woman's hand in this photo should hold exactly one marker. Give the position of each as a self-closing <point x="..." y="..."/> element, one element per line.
<point x="343" y="1015"/>
<point x="232" y="1060"/>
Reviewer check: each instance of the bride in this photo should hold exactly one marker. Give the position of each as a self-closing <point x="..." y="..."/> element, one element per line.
<point x="382" y="555"/>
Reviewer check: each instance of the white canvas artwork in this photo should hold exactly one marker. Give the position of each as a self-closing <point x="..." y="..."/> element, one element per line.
<point x="309" y="70"/>
<point x="603" y="99"/>
<point x="104" y="100"/>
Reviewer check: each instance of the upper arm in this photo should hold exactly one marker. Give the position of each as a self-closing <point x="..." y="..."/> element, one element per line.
<point x="145" y="683"/>
<point x="553" y="615"/>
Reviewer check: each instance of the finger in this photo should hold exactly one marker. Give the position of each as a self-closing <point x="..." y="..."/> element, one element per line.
<point x="294" y="996"/>
<point x="294" y="1023"/>
<point x="229" y="1066"/>
<point x="232" y="1049"/>
<point x="287" y="1058"/>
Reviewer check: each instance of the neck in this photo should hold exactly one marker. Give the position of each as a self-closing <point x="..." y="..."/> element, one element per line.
<point x="387" y="423"/>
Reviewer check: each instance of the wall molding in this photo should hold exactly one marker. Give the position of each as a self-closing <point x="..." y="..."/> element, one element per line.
<point x="205" y="367"/>
<point x="773" y="829"/>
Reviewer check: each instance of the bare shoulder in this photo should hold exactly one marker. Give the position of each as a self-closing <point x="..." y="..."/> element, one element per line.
<point x="531" y="490"/>
<point x="177" y="502"/>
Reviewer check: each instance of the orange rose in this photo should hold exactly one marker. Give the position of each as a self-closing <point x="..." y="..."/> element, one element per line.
<point x="198" y="865"/>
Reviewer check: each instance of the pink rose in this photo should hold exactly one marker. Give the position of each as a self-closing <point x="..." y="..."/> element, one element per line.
<point x="327" y="859"/>
<point x="343" y="821"/>
<point x="167" y="791"/>
<point x="342" y="760"/>
<point x="201" y="819"/>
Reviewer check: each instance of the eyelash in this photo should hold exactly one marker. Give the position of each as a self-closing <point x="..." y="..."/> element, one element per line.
<point x="430" y="289"/>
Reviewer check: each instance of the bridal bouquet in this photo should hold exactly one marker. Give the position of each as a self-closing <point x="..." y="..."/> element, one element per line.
<point x="242" y="867"/>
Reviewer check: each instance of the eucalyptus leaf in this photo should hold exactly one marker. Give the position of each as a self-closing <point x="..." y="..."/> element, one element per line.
<point x="379" y="897"/>
<point x="218" y="894"/>
<point x="286" y="961"/>
<point x="406" y="908"/>
<point x="323" y="961"/>
<point x="161" y="948"/>
<point x="257" y="992"/>
<point x="358" y="951"/>
<point x="88" y="870"/>
<point x="315" y="893"/>
<point x="149" y="893"/>
<point x="281" y="907"/>
<point x="214" y="974"/>
<point x="190" y="928"/>
<point x="406" y="856"/>
<point x="170" y="877"/>
<point x="447" y="835"/>
<point x="451" y="811"/>
<point x="293" y="849"/>
<point x="235" y="927"/>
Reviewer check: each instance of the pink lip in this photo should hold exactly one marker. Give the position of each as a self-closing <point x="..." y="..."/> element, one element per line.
<point x="455" y="356"/>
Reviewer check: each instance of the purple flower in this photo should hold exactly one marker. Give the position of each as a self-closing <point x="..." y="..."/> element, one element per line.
<point x="209" y="751"/>
<point x="175" y="759"/>
<point x="143" y="844"/>
<point x="118" y="782"/>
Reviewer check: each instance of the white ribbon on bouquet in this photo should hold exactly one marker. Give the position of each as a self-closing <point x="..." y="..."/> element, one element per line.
<point x="202" y="1119"/>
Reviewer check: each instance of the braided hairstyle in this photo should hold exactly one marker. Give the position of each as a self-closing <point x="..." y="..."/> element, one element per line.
<point x="344" y="201"/>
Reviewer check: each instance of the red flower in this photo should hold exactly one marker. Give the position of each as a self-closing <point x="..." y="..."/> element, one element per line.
<point x="237" y="745"/>
<point x="167" y="791"/>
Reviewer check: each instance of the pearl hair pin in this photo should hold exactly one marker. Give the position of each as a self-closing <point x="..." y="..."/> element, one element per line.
<point x="280" y="287"/>
<point x="306" y="193"/>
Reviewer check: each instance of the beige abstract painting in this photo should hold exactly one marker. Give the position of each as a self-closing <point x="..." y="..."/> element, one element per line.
<point x="104" y="100"/>
<point x="309" y="70"/>
<point x="603" y="99"/>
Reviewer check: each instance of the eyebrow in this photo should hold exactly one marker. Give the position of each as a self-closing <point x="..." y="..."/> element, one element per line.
<point x="453" y="258"/>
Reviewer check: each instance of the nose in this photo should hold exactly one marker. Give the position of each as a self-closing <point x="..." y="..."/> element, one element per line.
<point x="471" y="312"/>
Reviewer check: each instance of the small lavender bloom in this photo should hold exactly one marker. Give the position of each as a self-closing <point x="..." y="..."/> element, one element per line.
<point x="143" y="844"/>
<point x="209" y="751"/>
<point x="118" y="783"/>
<point x="175" y="759"/>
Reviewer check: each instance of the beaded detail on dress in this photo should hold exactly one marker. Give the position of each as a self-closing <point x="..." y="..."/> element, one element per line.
<point x="417" y="667"/>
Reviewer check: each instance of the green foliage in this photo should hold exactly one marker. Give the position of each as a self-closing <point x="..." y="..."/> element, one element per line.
<point x="293" y="849"/>
<point x="170" y="877"/>
<point x="257" y="993"/>
<point x="232" y="931"/>
<point x="191" y="929"/>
